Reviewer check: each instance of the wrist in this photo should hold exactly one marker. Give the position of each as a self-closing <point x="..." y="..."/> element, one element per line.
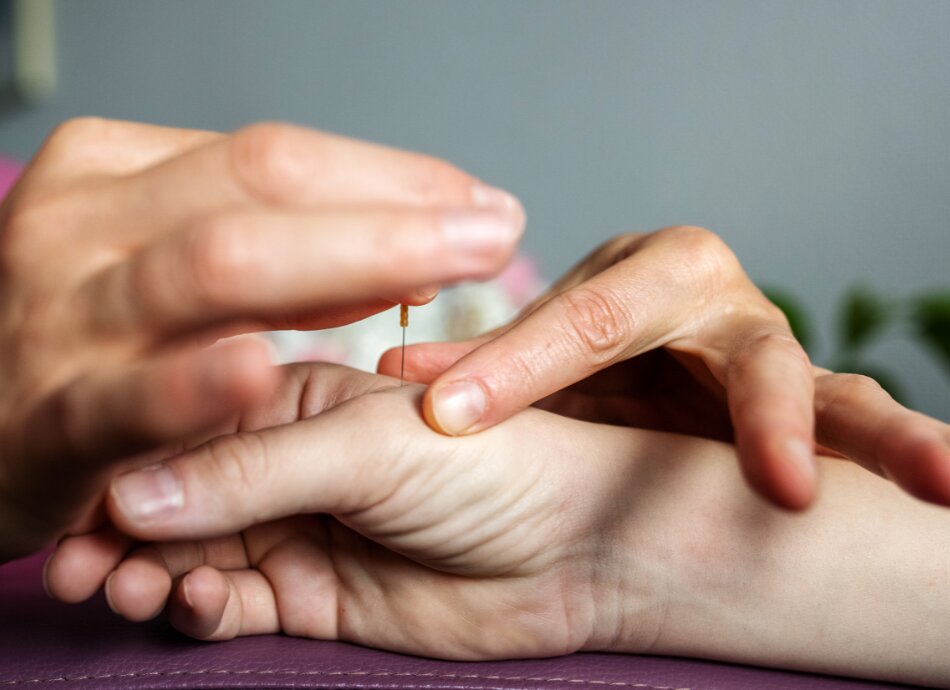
<point x="853" y="586"/>
<point x="674" y="558"/>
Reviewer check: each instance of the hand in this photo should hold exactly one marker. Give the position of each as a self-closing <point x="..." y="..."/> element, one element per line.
<point x="459" y="528"/>
<point x="125" y="247"/>
<point x="665" y="331"/>
<point x="541" y="536"/>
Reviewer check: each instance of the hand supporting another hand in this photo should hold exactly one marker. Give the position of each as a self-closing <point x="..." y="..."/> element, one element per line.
<point x="665" y="331"/>
<point x="124" y="247"/>
<point x="540" y="536"/>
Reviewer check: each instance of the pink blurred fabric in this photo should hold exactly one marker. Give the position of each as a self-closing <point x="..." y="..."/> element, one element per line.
<point x="9" y="172"/>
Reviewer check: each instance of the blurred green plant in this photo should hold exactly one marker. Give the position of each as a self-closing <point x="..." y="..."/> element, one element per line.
<point x="864" y="317"/>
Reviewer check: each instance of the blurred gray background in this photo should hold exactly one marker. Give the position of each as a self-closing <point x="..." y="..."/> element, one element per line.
<point x="814" y="136"/>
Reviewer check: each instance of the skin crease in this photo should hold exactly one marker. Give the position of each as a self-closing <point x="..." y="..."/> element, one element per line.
<point x="588" y="537"/>
<point x="127" y="249"/>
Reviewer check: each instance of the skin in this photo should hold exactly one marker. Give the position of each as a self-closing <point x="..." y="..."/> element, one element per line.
<point x="665" y="331"/>
<point x="177" y="237"/>
<point x="126" y="249"/>
<point x="315" y="521"/>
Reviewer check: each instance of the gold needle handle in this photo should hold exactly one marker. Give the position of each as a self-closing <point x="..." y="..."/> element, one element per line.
<point x="403" y="322"/>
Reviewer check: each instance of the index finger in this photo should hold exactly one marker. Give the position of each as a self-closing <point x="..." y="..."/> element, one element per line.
<point x="623" y="311"/>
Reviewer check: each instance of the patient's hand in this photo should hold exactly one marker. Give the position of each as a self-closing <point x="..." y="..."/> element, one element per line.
<point x="540" y="536"/>
<point x="472" y="548"/>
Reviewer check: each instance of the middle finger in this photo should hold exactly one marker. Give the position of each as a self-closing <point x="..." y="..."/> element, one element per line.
<point x="285" y="166"/>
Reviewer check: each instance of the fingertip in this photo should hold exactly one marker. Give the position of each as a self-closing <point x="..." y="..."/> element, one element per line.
<point x="45" y="575"/>
<point x="389" y="362"/>
<point x="240" y="370"/>
<point x="417" y="297"/>
<point x="143" y="501"/>
<point x="424" y="295"/>
<point x="79" y="565"/>
<point x="138" y="589"/>
<point x="193" y="390"/>
<point x="782" y="470"/>
<point x="198" y="605"/>
<point x="456" y="408"/>
<point x="920" y="465"/>
<point x="107" y="591"/>
<point x="427" y="413"/>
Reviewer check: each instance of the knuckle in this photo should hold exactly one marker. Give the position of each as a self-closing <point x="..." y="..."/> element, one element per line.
<point x="436" y="179"/>
<point x="525" y="372"/>
<point x="266" y="160"/>
<point x="596" y="319"/>
<point x="405" y="244"/>
<point x="78" y="140"/>
<point x="838" y="392"/>
<point x="767" y="342"/>
<point x="78" y="130"/>
<point x="620" y="246"/>
<point x="703" y="252"/>
<point x="856" y="386"/>
<point x="771" y="312"/>
<point x="22" y="225"/>
<point x="388" y="241"/>
<point x="222" y="257"/>
<point x="698" y="241"/>
<point x="29" y="221"/>
<point x="613" y="251"/>
<point x="692" y="235"/>
<point x="239" y="462"/>
<point x="784" y="342"/>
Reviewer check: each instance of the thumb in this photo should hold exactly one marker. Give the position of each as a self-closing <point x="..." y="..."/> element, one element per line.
<point x="317" y="465"/>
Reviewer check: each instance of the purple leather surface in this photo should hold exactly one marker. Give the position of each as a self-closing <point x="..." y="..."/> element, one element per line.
<point x="46" y="644"/>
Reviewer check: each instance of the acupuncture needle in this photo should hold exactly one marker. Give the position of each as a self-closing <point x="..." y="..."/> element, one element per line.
<point x="403" y="322"/>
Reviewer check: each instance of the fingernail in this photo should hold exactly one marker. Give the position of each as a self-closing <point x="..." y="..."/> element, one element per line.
<point x="481" y="231"/>
<point x="107" y="590"/>
<point x="46" y="575"/>
<point x="186" y="592"/>
<point x="802" y="455"/>
<point x="485" y="196"/>
<point x="148" y="494"/>
<point x="427" y="293"/>
<point x="458" y="406"/>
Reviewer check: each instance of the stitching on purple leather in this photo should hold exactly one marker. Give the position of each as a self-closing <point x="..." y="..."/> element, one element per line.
<point x="460" y="676"/>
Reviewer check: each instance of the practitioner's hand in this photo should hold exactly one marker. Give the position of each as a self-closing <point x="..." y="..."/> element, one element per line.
<point x="125" y="247"/>
<point x="540" y="536"/>
<point x="665" y="331"/>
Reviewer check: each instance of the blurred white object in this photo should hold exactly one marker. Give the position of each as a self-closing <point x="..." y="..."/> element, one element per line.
<point x="34" y="49"/>
<point x="458" y="313"/>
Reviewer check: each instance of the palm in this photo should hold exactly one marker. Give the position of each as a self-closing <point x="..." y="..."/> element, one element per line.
<point x="332" y="582"/>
